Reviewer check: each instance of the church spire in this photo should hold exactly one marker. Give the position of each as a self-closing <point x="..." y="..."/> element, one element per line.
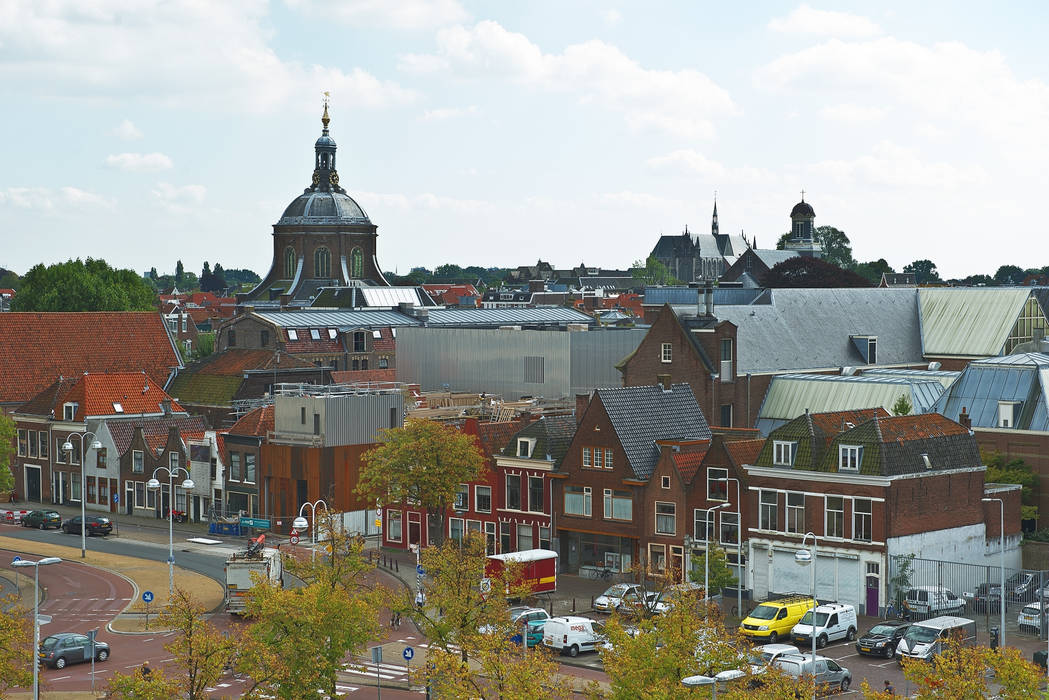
<point x="714" y="220"/>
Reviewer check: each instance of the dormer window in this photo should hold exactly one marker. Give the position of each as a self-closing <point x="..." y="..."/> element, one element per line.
<point x="293" y="334"/>
<point x="69" y="410"/>
<point x="1007" y="412"/>
<point x="332" y="333"/>
<point x="849" y="458"/>
<point x="867" y="346"/>
<point x="783" y="453"/>
<point x="525" y="447"/>
<point x="315" y="334"/>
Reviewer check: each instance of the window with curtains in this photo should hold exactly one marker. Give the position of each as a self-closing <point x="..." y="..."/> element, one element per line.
<point x="796" y="512"/>
<point x="393" y="525"/>
<point x="835" y="524"/>
<point x="578" y="500"/>
<point x="767" y="513"/>
<point x="524" y="537"/>
<point x="861" y="519"/>
<point x="618" y="505"/>
<point x="666" y="518"/>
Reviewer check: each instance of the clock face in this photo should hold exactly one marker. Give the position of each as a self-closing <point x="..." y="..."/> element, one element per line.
<point x="316" y="178"/>
<point x="334" y="178"/>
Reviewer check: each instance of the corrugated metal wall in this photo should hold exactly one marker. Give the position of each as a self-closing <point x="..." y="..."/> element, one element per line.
<point x="495" y="361"/>
<point x="357" y="420"/>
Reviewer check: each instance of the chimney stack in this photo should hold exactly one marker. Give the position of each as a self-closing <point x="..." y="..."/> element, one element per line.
<point x="964" y="418"/>
<point x="708" y="298"/>
<point x="165" y="405"/>
<point x="581" y="402"/>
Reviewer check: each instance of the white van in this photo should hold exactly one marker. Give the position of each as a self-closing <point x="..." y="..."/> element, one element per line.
<point x="924" y="639"/>
<point x="834" y="621"/>
<point x="933" y="600"/>
<point x="572" y="635"/>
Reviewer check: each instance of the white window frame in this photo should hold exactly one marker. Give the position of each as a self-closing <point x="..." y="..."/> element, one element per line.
<point x="768" y="507"/>
<point x="478" y="490"/>
<point x="463" y="504"/>
<point x="588" y="501"/>
<point x="783" y="453"/>
<point x="69" y="410"/>
<point x="542" y="497"/>
<point x="664" y="482"/>
<point x="720" y="479"/>
<point x="586" y="457"/>
<point x="796" y="511"/>
<point x="672" y="515"/>
<point x="666" y="353"/>
<point x="391" y="517"/>
<point x="608" y="459"/>
<point x="599" y="458"/>
<point x="733" y="516"/>
<point x="700" y="515"/>
<point x="849" y="457"/>
<point x="864" y="518"/>
<point x="506" y="483"/>
<point x="827" y="517"/>
<point x="609" y="505"/>
<point x="525" y="447"/>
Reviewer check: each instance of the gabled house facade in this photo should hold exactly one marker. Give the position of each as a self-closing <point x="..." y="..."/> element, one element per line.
<point x="870" y="486"/>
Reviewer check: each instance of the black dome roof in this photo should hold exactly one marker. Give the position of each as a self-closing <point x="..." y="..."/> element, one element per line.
<point x="802" y="209"/>
<point x="323" y="207"/>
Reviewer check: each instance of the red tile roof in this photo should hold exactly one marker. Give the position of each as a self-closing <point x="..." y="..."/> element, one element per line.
<point x="256" y="423"/>
<point x="919" y="427"/>
<point x="495" y="436"/>
<point x="48" y="401"/>
<point x="352" y="376"/>
<point x="37" y="347"/>
<point x="744" y="451"/>
<point x="234" y="362"/>
<point x="689" y="458"/>
<point x="97" y="394"/>
<point x="834" y="422"/>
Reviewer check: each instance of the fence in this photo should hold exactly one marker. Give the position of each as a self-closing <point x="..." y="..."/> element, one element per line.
<point x="973" y="591"/>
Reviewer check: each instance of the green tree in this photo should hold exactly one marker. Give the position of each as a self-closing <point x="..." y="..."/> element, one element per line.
<point x="873" y="270"/>
<point x="205" y="345"/>
<point x="10" y="280"/>
<point x="781" y="242"/>
<point x="1009" y="274"/>
<point x="902" y="407"/>
<point x="448" y="271"/>
<point x="837" y="250"/>
<point x="651" y="271"/>
<point x="134" y="686"/>
<point x="924" y="271"/>
<point x="90" y="285"/>
<point x="719" y="574"/>
<point x="7" y="451"/>
<point x="423" y="462"/>
<point x="1002" y="470"/>
<point x="802" y="271"/>
<point x="16" y="649"/>
<point x="180" y="273"/>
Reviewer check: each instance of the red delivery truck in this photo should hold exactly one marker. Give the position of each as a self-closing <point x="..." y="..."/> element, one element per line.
<point x="538" y="568"/>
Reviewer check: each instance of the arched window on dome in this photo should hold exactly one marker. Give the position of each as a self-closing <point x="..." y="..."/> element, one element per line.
<point x="322" y="263"/>
<point x="356" y="263"/>
<point x="289" y="262"/>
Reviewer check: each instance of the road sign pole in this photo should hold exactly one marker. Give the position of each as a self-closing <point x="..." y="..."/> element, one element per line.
<point x="377" y="659"/>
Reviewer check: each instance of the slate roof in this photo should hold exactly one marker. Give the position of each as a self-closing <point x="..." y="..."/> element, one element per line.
<point x="684" y="296"/>
<point x="813" y="433"/>
<point x="968" y="322"/>
<point x="811" y="328"/>
<point x="1021" y="378"/>
<point x="771" y="258"/>
<point x="256" y="423"/>
<point x="641" y="415"/>
<point x="553" y="435"/>
<point x="38" y="347"/>
<point x="96" y="394"/>
<point x="154" y="430"/>
<point x="507" y="317"/>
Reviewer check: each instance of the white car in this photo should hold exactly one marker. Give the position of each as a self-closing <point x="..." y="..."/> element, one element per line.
<point x="613" y="597"/>
<point x="762" y="656"/>
<point x="1030" y="616"/>
<point x="634" y="603"/>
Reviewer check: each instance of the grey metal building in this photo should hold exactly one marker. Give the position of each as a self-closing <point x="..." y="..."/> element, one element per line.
<point x="513" y="363"/>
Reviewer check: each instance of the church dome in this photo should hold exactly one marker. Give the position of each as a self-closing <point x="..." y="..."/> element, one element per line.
<point x="323" y="207"/>
<point x="802" y="209"/>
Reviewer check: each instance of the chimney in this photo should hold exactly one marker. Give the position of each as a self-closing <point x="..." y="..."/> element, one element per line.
<point x="525" y="417"/>
<point x="664" y="381"/>
<point x="536" y="286"/>
<point x="699" y="297"/>
<point x="165" y="405"/>
<point x="964" y="418"/>
<point x="708" y="298"/>
<point x="581" y="402"/>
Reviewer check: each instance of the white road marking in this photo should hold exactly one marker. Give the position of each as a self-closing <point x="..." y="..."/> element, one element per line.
<point x="61" y="678"/>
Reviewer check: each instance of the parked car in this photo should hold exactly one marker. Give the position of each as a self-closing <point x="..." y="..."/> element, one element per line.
<point x="932" y="600"/>
<point x="611" y="598"/>
<point x="833" y="621"/>
<point x="925" y="639"/>
<point x="641" y="603"/>
<point x="762" y="656"/>
<point x="827" y="672"/>
<point x="986" y="597"/>
<point x="534" y="632"/>
<point x="69" y="648"/>
<point x="881" y="640"/>
<point x="774" y="619"/>
<point x="42" y="519"/>
<point x="1030" y="617"/>
<point x="571" y="635"/>
<point x="96" y="525"/>
<point x="519" y="616"/>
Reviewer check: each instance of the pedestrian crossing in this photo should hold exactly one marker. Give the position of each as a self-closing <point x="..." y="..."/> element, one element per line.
<point x="84" y="609"/>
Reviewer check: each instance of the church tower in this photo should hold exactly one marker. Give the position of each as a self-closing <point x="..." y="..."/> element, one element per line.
<point x="803" y="230"/>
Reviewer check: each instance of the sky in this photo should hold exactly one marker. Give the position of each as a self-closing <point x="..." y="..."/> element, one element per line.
<point x="497" y="134"/>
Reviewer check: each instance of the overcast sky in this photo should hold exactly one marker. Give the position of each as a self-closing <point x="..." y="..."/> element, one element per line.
<point x="143" y="131"/>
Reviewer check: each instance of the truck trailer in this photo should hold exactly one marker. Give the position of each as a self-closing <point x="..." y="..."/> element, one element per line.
<point x="538" y="568"/>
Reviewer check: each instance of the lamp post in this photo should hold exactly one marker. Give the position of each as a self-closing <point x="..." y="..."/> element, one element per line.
<point x="739" y="545"/>
<point x="36" y="615"/>
<point x="804" y="556"/>
<point x="153" y="484"/>
<point x="300" y="523"/>
<point x="67" y="447"/>
<point x="706" y="553"/>
<point x="1001" y="566"/>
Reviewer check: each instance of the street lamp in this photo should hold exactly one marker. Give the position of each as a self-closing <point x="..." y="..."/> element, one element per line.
<point x="739" y="545"/>
<point x="300" y="523"/>
<point x="153" y="484"/>
<point x="804" y="557"/>
<point x="1001" y="567"/>
<point x="67" y="447"/>
<point x="706" y="553"/>
<point x="36" y="614"/>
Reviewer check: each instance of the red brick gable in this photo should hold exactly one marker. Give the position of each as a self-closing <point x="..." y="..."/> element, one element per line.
<point x="37" y="347"/>
<point x="744" y="451"/>
<point x="96" y="394"/>
<point x="256" y="423"/>
<point x="305" y="343"/>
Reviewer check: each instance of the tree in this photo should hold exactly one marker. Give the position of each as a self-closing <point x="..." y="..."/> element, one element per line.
<point x="206" y="270"/>
<point x="7" y="450"/>
<point x="212" y="282"/>
<point x="76" y="285"/>
<point x="300" y="636"/>
<point x="873" y="270"/>
<point x="16" y="650"/>
<point x="652" y="271"/>
<point x="924" y="271"/>
<point x="1001" y="470"/>
<point x="837" y="250"/>
<point x="978" y="280"/>
<point x="1009" y="274"/>
<point x="448" y="271"/>
<point x="134" y="686"/>
<point x="719" y="573"/>
<point x="902" y="407"/>
<point x="781" y="242"/>
<point x="205" y="345"/>
<point x="423" y="462"/>
<point x="802" y="271"/>
<point x="180" y="273"/>
<point x="153" y="273"/>
<point x="10" y="280"/>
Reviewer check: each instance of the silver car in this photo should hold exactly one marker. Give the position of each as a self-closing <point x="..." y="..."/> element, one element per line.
<point x="828" y="673"/>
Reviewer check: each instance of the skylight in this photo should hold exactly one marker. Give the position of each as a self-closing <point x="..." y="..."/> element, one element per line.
<point x="315" y="334"/>
<point x="293" y="334"/>
<point x="332" y="333"/>
<point x="118" y="408"/>
<point x="377" y="335"/>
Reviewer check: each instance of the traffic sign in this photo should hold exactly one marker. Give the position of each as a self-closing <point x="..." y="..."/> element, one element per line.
<point x="378" y="522"/>
<point x="147" y="596"/>
<point x="43" y="619"/>
<point x="16" y="558"/>
<point x="258" y="523"/>
<point x="420" y="570"/>
<point x="376" y="655"/>
<point x="408" y="653"/>
<point x="116" y="498"/>
<point x="486" y="585"/>
<point x="294" y="539"/>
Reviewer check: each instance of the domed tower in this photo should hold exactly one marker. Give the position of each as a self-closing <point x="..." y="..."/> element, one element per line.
<point x="803" y="230"/>
<point x="323" y="239"/>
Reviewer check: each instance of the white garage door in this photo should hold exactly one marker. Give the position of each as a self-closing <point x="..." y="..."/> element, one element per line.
<point x="759" y="564"/>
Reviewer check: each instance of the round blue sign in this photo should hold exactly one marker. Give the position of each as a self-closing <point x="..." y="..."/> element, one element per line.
<point x="408" y="653"/>
<point x="17" y="558"/>
<point x="147" y="596"/>
<point x="420" y="570"/>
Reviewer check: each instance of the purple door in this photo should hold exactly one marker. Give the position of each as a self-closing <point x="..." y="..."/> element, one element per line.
<point x="872" y="594"/>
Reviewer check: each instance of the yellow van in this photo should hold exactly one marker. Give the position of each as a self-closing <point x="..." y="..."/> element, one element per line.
<point x="773" y="620"/>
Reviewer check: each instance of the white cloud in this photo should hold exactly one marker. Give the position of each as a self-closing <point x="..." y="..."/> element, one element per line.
<point x="612" y="17"/>
<point x="892" y="165"/>
<point x="179" y="199"/>
<point x="691" y="162"/>
<point x="53" y="200"/>
<point x="400" y="14"/>
<point x="640" y="200"/>
<point x="682" y="102"/>
<point x="425" y="201"/>
<point x="139" y="162"/>
<point x="127" y="131"/>
<point x="448" y="112"/>
<point x="807" y="20"/>
<point x="181" y="52"/>
<point x="852" y="113"/>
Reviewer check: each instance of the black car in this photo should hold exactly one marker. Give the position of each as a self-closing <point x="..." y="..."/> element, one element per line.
<point x="96" y="525"/>
<point x="882" y="639"/>
<point x="42" y="519"/>
<point x="986" y="597"/>
<point x="69" y="648"/>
